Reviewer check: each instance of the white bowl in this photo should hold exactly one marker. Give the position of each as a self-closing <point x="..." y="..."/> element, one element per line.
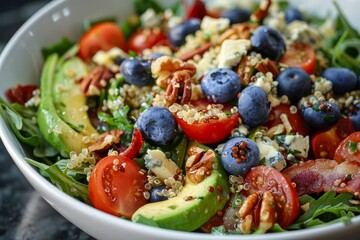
<point x="20" y="63"/>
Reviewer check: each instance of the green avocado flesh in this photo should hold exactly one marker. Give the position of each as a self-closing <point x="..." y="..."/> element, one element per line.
<point x="178" y="213"/>
<point x="60" y="118"/>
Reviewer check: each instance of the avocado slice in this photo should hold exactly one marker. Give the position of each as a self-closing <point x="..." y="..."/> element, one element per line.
<point x="59" y="132"/>
<point x="180" y="213"/>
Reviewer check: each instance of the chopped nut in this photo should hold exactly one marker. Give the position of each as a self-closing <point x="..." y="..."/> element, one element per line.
<point x="105" y="140"/>
<point x="95" y="81"/>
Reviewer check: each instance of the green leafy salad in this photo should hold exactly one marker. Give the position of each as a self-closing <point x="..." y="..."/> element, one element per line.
<point x="224" y="117"/>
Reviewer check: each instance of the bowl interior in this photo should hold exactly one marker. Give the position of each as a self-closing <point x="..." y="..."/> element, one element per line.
<point x="20" y="63"/>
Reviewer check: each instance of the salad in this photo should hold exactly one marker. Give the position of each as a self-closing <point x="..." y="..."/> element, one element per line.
<point x="213" y="116"/>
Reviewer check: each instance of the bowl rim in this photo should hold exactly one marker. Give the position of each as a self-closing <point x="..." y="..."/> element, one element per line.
<point x="44" y="187"/>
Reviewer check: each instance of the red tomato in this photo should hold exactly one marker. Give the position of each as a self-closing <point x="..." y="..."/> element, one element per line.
<point x="295" y="119"/>
<point x="143" y="39"/>
<point x="300" y="55"/>
<point x="211" y="131"/>
<point x="119" y="192"/>
<point x="196" y="9"/>
<point x="102" y="36"/>
<point x="134" y="148"/>
<point x="265" y="178"/>
<point x="344" y="150"/>
<point x="21" y="93"/>
<point x="325" y="142"/>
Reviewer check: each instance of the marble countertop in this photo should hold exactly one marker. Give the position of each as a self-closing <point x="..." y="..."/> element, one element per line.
<point x="24" y="214"/>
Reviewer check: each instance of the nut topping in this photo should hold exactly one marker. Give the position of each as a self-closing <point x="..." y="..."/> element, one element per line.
<point x="266" y="65"/>
<point x="97" y="79"/>
<point x="202" y="165"/>
<point x="267" y="213"/>
<point x="106" y="140"/>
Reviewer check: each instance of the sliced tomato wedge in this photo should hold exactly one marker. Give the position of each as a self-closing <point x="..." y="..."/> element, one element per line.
<point x="325" y="142"/>
<point x="117" y="192"/>
<point x="134" y="148"/>
<point x="348" y="149"/>
<point x="143" y="39"/>
<point x="102" y="36"/>
<point x="295" y="119"/>
<point x="300" y="55"/>
<point x="212" y="130"/>
<point x="21" y="93"/>
<point x="265" y="178"/>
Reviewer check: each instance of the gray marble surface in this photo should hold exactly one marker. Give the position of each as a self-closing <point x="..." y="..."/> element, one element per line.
<point x="24" y="214"/>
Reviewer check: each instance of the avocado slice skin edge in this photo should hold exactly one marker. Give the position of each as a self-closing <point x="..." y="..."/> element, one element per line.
<point x="178" y="213"/>
<point x="58" y="133"/>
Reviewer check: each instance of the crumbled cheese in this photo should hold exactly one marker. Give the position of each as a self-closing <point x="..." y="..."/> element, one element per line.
<point x="297" y="144"/>
<point x="232" y="51"/>
<point x="106" y="58"/>
<point x="150" y="19"/>
<point x="266" y="82"/>
<point x="163" y="168"/>
<point x="174" y="21"/>
<point x="269" y="150"/>
<point x="323" y="85"/>
<point x="300" y="31"/>
<point x="214" y="25"/>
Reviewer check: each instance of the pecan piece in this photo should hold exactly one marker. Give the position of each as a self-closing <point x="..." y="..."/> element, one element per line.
<point x="106" y="140"/>
<point x="179" y="88"/>
<point x="266" y="65"/>
<point x="164" y="68"/>
<point x="202" y="168"/>
<point x="244" y="70"/>
<point x="97" y="79"/>
<point x="198" y="51"/>
<point x="262" y="11"/>
<point x="267" y="216"/>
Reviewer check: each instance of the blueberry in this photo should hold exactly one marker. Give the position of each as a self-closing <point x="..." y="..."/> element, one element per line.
<point x="295" y="83"/>
<point x="292" y="14"/>
<point x="236" y="15"/>
<point x="268" y="42"/>
<point x="355" y="117"/>
<point x="137" y="72"/>
<point x="158" y="126"/>
<point x="239" y="155"/>
<point x="253" y="105"/>
<point x="343" y="79"/>
<point x="221" y="85"/>
<point x="321" y="115"/>
<point x="154" y="196"/>
<point x="177" y="34"/>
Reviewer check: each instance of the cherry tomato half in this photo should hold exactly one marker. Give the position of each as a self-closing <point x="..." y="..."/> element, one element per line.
<point x="300" y="55"/>
<point x="265" y="178"/>
<point x="21" y="93"/>
<point x="143" y="39"/>
<point x="295" y="119"/>
<point x="102" y="36"/>
<point x="119" y="192"/>
<point x="325" y="142"/>
<point x="348" y="149"/>
<point x="212" y="130"/>
<point x="134" y="148"/>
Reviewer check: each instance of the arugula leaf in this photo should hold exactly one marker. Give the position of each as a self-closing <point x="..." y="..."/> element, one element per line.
<point x="65" y="183"/>
<point x="20" y="120"/>
<point x="329" y="208"/>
